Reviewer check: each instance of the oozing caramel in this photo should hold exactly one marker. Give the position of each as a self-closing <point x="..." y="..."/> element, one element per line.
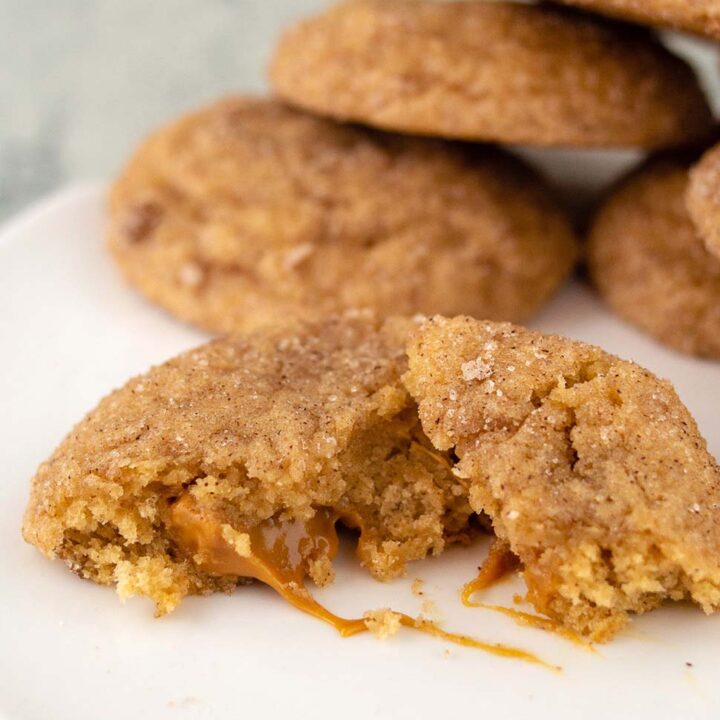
<point x="278" y="555"/>
<point x="499" y="563"/>
<point x="538" y="622"/>
<point x="431" y="628"/>
<point x="280" y="552"/>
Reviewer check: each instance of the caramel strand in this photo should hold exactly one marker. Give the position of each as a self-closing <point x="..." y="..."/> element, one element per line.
<point x="499" y="563"/>
<point x="277" y="552"/>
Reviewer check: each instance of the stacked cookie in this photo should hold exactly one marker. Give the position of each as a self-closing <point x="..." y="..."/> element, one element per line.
<point x="696" y="16"/>
<point x="654" y="244"/>
<point x="260" y="212"/>
<point x="250" y="213"/>
<point x="313" y="225"/>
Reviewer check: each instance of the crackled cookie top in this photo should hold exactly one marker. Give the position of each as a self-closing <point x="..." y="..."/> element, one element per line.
<point x="236" y="460"/>
<point x="649" y="263"/>
<point x="589" y="466"/>
<point x="493" y="71"/>
<point x="696" y="16"/>
<point x="248" y="213"/>
<point x="173" y="481"/>
<point x="703" y="198"/>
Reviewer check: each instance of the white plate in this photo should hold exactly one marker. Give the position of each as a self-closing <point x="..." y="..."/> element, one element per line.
<point x="69" y="332"/>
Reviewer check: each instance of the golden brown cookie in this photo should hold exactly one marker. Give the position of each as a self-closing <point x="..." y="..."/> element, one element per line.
<point x="703" y="198"/>
<point x="697" y="16"/>
<point x="237" y="459"/>
<point x="248" y="213"/>
<point x="208" y="468"/>
<point x="648" y="262"/>
<point x="494" y="71"/>
<point x="589" y="466"/>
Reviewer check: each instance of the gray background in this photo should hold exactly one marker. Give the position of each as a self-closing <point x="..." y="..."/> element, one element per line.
<point x="82" y="81"/>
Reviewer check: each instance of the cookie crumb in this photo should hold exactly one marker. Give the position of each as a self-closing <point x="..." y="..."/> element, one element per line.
<point x="382" y="623"/>
<point x="240" y="542"/>
<point x="429" y="611"/>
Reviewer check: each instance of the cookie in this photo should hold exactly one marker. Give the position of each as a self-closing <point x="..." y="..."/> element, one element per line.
<point x="696" y="16"/>
<point x="498" y="71"/>
<point x="248" y="213"/>
<point x="236" y="460"/>
<point x="589" y="466"/>
<point x="703" y="198"/>
<point x="650" y="265"/>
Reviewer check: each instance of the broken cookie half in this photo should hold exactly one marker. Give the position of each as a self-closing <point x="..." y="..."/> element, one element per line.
<point x="589" y="466"/>
<point x="237" y="460"/>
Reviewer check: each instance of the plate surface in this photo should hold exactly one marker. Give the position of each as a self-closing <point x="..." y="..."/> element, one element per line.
<point x="70" y="331"/>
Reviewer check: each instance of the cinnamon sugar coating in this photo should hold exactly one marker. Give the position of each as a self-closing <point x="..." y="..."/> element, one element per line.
<point x="703" y="198"/>
<point x="589" y="466"/>
<point x="248" y="214"/>
<point x="497" y="71"/>
<point x="649" y="263"/>
<point x="273" y="425"/>
<point x="696" y="16"/>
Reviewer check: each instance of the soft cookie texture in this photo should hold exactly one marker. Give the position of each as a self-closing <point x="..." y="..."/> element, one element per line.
<point x="495" y="71"/>
<point x="248" y="213"/>
<point x="272" y="427"/>
<point x="589" y="466"/>
<point x="648" y="262"/>
<point x="703" y="198"/>
<point x="697" y="16"/>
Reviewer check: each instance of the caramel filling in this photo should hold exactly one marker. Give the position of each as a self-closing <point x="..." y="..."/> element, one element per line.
<point x="278" y="553"/>
<point x="499" y="563"/>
